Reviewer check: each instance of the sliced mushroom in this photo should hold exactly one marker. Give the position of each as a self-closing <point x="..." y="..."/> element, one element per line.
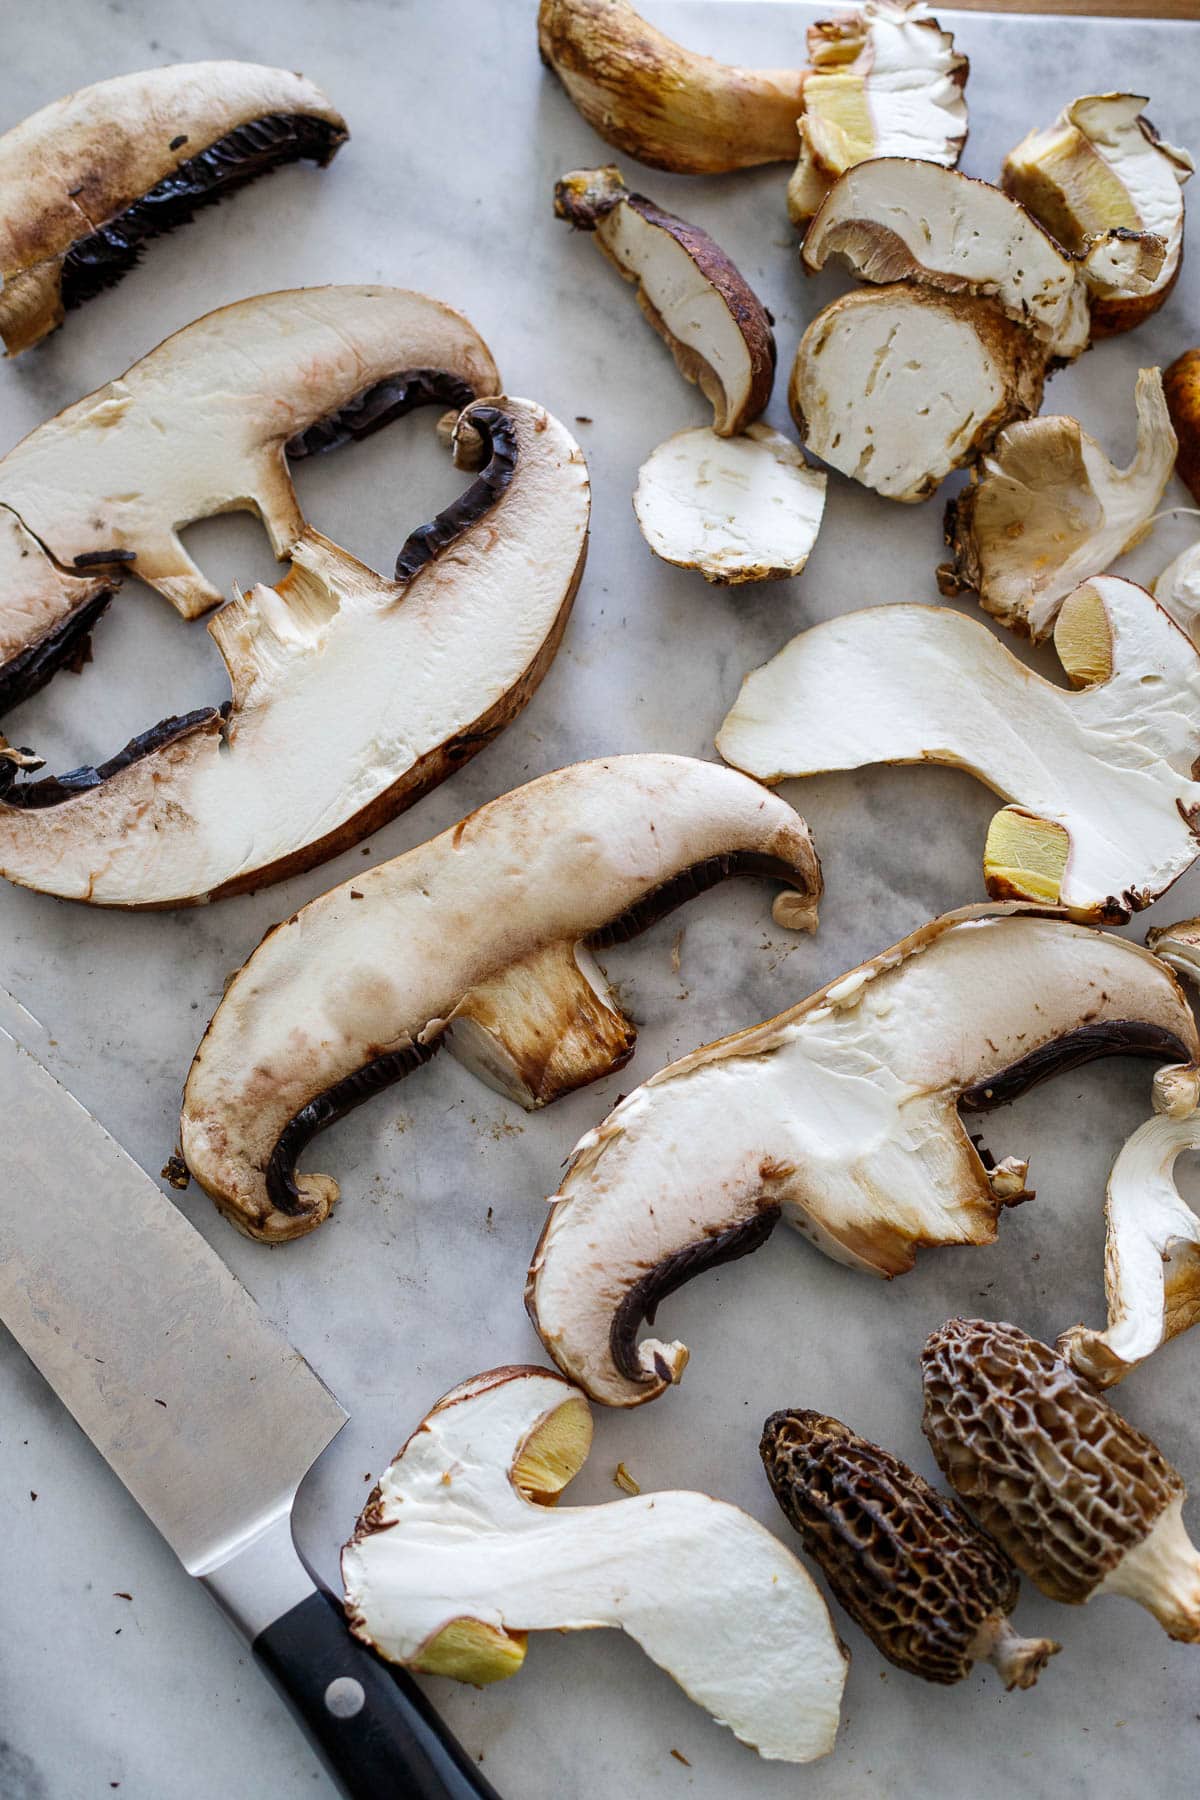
<point x="896" y="386"/>
<point x="1181" y="386"/>
<point x="1102" y="807"/>
<point x="1177" y="591"/>
<point x="1046" y="509"/>
<point x="1100" y="169"/>
<point x="716" y="329"/>
<point x="746" y="508"/>
<point x="1081" y="1501"/>
<point x="462" y="1549"/>
<point x="480" y="940"/>
<point x="841" y="1116"/>
<point x="90" y="179"/>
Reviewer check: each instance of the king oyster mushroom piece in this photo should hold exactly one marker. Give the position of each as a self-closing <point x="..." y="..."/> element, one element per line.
<point x="841" y="1116"/>
<point x="90" y="179"/>
<point x="480" y="940"/>
<point x="462" y="1549"/>
<point x="1102" y="805"/>
<point x="1046" y="509"/>
<point x="1181" y="386"/>
<point x="715" y="327"/>
<point x="1102" y="170"/>
<point x="746" y="508"/>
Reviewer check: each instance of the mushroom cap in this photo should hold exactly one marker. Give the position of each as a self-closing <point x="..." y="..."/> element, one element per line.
<point x="1181" y="387"/>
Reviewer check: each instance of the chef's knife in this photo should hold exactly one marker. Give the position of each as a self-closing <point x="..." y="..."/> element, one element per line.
<point x="204" y="1411"/>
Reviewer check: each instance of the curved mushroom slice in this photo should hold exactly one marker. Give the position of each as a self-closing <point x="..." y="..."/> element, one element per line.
<point x="1102" y="168"/>
<point x="1100" y="781"/>
<point x="899" y="220"/>
<point x="352" y="695"/>
<point x="1046" y="509"/>
<point x="88" y="180"/>
<point x="746" y="508"/>
<point x="896" y="386"/>
<point x="481" y="940"/>
<point x="462" y="1549"/>
<point x="715" y="327"/>
<point x="840" y="1116"/>
<point x="46" y="615"/>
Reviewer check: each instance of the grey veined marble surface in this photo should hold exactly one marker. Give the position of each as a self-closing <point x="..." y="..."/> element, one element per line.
<point x="416" y="1282"/>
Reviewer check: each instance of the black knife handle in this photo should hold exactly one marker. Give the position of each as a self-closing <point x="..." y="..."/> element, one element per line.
<point x="378" y="1733"/>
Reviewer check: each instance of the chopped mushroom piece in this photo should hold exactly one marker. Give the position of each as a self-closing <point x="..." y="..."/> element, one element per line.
<point x="746" y="508"/>
<point x="1181" y="386"/>
<point x="1081" y="1501"/>
<point x="929" y="1588"/>
<point x="840" y="1116"/>
<point x="463" y="1548"/>
<point x="1177" y="591"/>
<point x="481" y="940"/>
<point x="1046" y="509"/>
<point x="88" y="180"/>
<point x="716" y="329"/>
<point x="1103" y="807"/>
<point x="1101" y="169"/>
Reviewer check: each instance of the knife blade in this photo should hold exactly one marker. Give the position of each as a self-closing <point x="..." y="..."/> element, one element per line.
<point x="202" y="1409"/>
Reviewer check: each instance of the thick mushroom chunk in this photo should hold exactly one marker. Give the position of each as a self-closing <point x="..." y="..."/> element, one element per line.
<point x="1102" y="807"/>
<point x="1081" y="1501"/>
<point x="480" y="940"/>
<point x="90" y="179"/>
<point x="931" y="1591"/>
<point x="840" y="1116"/>
<point x="746" y="508"/>
<point x="462" y="1549"/>
<point x="896" y="386"/>
<point x="1102" y="169"/>
<point x="1046" y="509"/>
<point x="715" y="327"/>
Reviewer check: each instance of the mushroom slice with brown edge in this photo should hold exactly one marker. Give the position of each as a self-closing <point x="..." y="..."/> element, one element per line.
<point x="1181" y="386"/>
<point x="90" y="179"/>
<point x="463" y="1548"/>
<point x="896" y="386"/>
<point x="717" y="330"/>
<point x="480" y="939"/>
<point x="1102" y="170"/>
<point x="1081" y="1501"/>
<point x="930" y="1589"/>
<point x="840" y="1116"/>
<point x="746" y="508"/>
<point x="1103" y="807"/>
<point x="1046" y="509"/>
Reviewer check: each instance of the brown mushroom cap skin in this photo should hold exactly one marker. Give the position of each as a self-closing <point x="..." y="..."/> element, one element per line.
<point x="929" y="1588"/>
<point x="1181" y="384"/>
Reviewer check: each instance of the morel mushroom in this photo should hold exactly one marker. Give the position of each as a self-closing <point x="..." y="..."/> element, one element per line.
<point x="1181" y="386"/>
<point x="90" y="179"/>
<point x="932" y="1592"/>
<point x="479" y="940"/>
<point x="462" y="1549"/>
<point x="1081" y="1501"/>
<point x="715" y="327"/>
<point x="841" y="1116"/>
<point x="1103" y="808"/>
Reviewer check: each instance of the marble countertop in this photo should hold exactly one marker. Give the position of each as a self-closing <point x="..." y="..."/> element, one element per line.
<point x="115" y="1675"/>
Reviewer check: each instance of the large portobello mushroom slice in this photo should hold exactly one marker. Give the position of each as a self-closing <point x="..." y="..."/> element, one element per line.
<point x="478" y="940"/>
<point x="88" y="180"/>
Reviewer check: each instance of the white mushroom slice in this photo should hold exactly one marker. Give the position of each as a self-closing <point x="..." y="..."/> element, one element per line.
<point x="746" y="508"/>
<point x="840" y="1116"/>
<point x="1177" y="591"/>
<point x="896" y="386"/>
<point x="717" y="330"/>
<point x="88" y="180"/>
<point x="461" y="1550"/>
<point x="1046" y="509"/>
<point x="1102" y="167"/>
<point x="480" y="940"/>
<point x="1103" y="808"/>
<point x="352" y="695"/>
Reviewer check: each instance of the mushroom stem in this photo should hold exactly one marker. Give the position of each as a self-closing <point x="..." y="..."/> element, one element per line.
<point x="1019" y="1660"/>
<point x="1162" y="1573"/>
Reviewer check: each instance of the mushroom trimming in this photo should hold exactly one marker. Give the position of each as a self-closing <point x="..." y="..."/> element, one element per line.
<point x="1078" y="1497"/>
<point x="462" y="1549"/>
<point x="1102" y="801"/>
<point x="89" y="179"/>
<point x="840" y="1116"/>
<point x="481" y="940"/>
